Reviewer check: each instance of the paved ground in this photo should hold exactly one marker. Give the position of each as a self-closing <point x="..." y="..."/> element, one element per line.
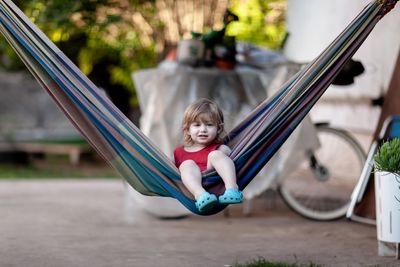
<point x="83" y="223"/>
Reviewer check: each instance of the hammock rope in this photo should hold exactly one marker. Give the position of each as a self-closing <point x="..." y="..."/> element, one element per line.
<point x="137" y="159"/>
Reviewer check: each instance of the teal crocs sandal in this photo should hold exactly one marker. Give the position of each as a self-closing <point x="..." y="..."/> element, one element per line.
<point x="206" y="201"/>
<point x="231" y="196"/>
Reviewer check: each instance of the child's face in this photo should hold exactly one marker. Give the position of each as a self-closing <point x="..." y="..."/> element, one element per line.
<point x="203" y="132"/>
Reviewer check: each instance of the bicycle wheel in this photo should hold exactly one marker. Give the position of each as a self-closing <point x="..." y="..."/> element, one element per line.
<point x="321" y="186"/>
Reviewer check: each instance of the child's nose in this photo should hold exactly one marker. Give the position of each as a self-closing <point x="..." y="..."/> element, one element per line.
<point x="203" y="127"/>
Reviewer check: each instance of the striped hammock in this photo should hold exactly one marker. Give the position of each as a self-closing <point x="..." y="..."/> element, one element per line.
<point x="138" y="160"/>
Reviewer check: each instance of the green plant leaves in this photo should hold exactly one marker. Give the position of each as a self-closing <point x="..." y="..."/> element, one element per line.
<point x="388" y="157"/>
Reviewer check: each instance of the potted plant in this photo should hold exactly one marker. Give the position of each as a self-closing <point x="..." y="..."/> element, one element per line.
<point x="387" y="192"/>
<point x="387" y="159"/>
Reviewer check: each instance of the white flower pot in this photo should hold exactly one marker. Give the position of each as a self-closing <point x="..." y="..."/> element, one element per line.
<point x="387" y="196"/>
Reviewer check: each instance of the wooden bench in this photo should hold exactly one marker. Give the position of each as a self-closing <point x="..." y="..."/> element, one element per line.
<point x="73" y="150"/>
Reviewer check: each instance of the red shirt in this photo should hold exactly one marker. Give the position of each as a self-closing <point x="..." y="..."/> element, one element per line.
<point x="199" y="157"/>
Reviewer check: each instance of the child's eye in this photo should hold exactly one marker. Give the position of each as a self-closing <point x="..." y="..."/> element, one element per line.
<point x="210" y="124"/>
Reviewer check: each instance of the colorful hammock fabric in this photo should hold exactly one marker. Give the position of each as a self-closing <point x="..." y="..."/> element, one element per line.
<point x="138" y="160"/>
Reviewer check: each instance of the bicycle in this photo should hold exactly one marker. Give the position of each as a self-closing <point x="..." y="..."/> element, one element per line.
<point x="320" y="187"/>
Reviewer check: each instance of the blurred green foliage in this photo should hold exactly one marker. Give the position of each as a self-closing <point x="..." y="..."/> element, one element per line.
<point x="96" y="36"/>
<point x="260" y="22"/>
<point x="109" y="39"/>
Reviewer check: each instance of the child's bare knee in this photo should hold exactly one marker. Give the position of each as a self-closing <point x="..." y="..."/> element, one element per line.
<point x="187" y="164"/>
<point x="216" y="154"/>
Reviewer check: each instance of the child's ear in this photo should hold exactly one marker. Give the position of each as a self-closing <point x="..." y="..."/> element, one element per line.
<point x="220" y="128"/>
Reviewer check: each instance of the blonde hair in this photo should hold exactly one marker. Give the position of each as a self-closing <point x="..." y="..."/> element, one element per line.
<point x="203" y="110"/>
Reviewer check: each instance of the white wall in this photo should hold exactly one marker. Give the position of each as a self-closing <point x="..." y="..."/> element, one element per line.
<point x="312" y="25"/>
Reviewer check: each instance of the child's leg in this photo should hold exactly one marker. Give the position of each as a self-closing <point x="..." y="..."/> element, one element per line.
<point x="191" y="177"/>
<point x="224" y="167"/>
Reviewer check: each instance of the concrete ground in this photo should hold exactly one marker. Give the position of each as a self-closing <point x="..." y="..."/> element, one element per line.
<point x="83" y="223"/>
